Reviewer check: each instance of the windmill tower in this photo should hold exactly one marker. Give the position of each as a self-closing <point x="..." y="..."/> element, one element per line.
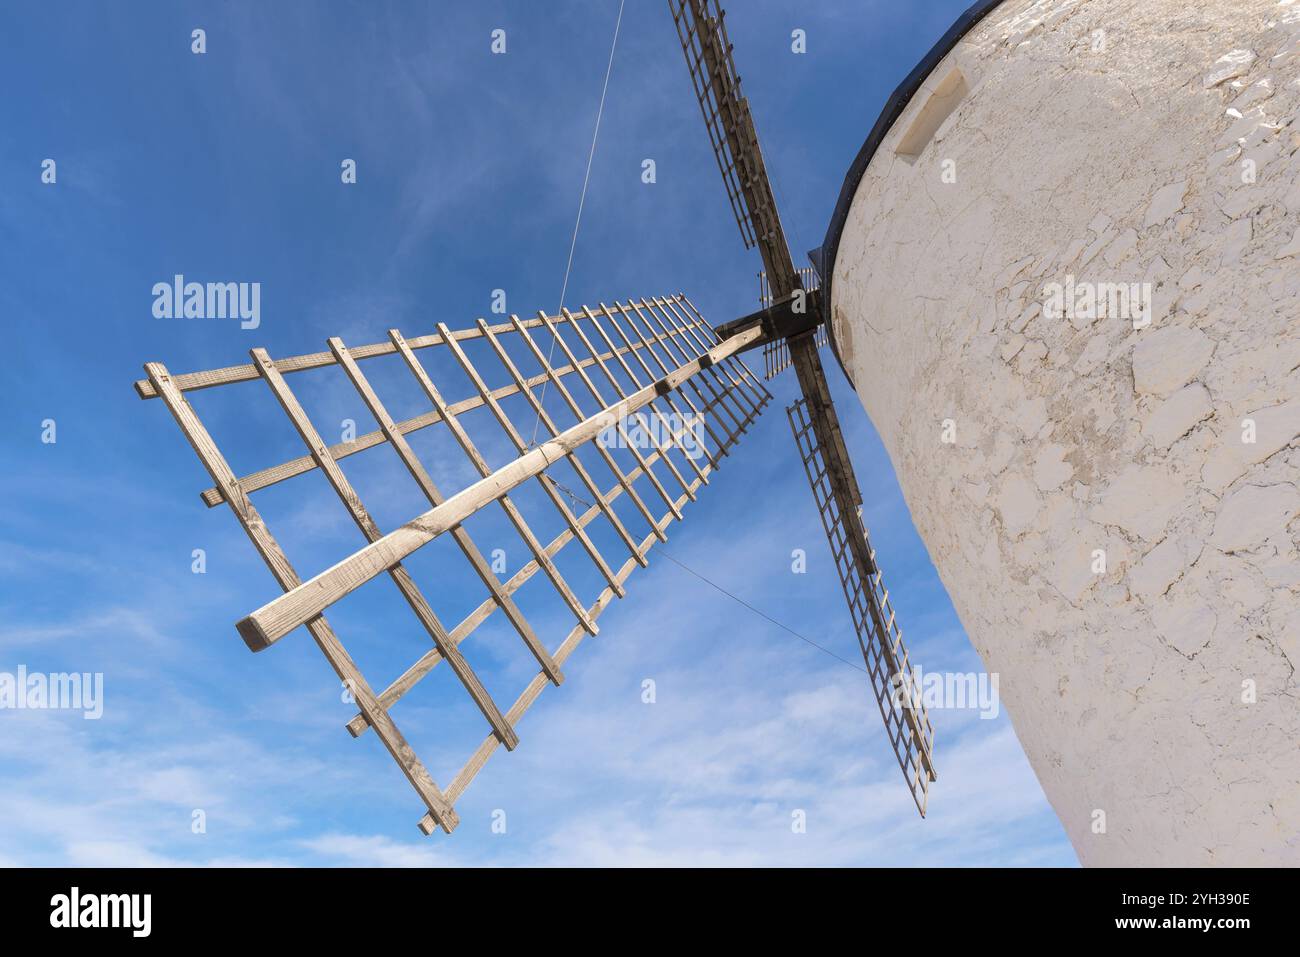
<point x="1116" y="520"/>
<point x="639" y="402"/>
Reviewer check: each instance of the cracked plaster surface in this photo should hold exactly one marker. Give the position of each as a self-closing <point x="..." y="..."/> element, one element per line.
<point x="1112" y="141"/>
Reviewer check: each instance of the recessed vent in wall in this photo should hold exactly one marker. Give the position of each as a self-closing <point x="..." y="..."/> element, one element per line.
<point x="943" y="99"/>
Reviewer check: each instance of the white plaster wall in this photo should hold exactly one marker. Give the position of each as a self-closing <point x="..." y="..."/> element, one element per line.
<point x="1114" y="161"/>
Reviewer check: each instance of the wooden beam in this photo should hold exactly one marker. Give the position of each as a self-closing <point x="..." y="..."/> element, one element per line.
<point x="717" y="389"/>
<point x="672" y="404"/>
<point x="535" y="687"/>
<point x="548" y="488"/>
<point x="660" y="338"/>
<point x="575" y="463"/>
<point x="608" y="459"/>
<point x="426" y="663"/>
<point x="672" y="438"/>
<point x="516" y="518"/>
<point x="191" y="381"/>
<point x="622" y="394"/>
<point x="619" y="423"/>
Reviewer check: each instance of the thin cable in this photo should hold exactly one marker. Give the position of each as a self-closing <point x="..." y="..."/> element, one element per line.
<point x="573" y="243"/>
<point x="761" y="614"/>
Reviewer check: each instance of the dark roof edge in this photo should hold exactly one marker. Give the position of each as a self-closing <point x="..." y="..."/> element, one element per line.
<point x="894" y="108"/>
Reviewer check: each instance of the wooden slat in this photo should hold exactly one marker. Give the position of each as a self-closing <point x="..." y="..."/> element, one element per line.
<point x="512" y="513"/>
<point x="672" y="403"/>
<point x="694" y="386"/>
<point x="552" y="493"/>
<point x="673" y="439"/>
<point x="430" y="659"/>
<point x="535" y="687"/>
<point x="738" y="379"/>
<point x="608" y="459"/>
<point x="440" y="810"/>
<point x="286" y="470"/>
<point x="499" y="595"/>
<point x="694" y="324"/>
<point x="622" y="393"/>
<point x="619" y="426"/>
<point x="400" y="575"/>
<point x="817" y="434"/>
<point x="206" y="379"/>
<point x="659" y="311"/>
<point x="625" y="483"/>
<point x="575" y="463"/>
<point x="738" y="375"/>
<point x="309" y="599"/>
<point x="721" y="395"/>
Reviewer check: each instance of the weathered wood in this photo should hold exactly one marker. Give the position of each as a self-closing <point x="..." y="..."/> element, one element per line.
<point x="608" y="459"/>
<point x="512" y="513"/>
<point x="738" y="379"/>
<point x="287" y="470"/>
<point x="426" y="663"/>
<point x="343" y="488"/>
<point x="309" y="599"/>
<point x="697" y="326"/>
<point x="600" y="400"/>
<point x="548" y="488"/>
<point x="734" y="382"/>
<point x="206" y="379"/>
<point x="672" y="403"/>
<point x="817" y="433"/>
<point x="693" y="385"/>
<point x="720" y="394"/>
<point x="499" y="595"/>
<point x="535" y="687"/>
<point x="440" y="810"/>
<point x="622" y="393"/>
<point x="674" y="436"/>
<point x="574" y="462"/>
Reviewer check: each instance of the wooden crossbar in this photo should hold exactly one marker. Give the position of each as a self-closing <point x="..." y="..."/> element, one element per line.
<point x="208" y="378"/>
<point x="544" y="418"/>
<point x="674" y="435"/>
<point x="578" y="413"/>
<point x="622" y="412"/>
<point x="622" y="394"/>
<point x="286" y="470"/>
<point x="511" y="510"/>
<point x="695" y="411"/>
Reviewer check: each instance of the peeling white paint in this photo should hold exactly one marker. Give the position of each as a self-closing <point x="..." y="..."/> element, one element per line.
<point x="1171" y="157"/>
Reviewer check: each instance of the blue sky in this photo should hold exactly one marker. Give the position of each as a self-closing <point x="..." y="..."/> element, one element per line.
<point x="225" y="166"/>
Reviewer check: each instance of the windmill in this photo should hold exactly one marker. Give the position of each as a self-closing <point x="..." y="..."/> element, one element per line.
<point x="646" y="398"/>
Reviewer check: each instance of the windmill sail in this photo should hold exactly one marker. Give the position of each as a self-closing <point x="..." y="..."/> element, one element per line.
<point x="701" y="28"/>
<point x="649" y="401"/>
<point x="879" y="637"/>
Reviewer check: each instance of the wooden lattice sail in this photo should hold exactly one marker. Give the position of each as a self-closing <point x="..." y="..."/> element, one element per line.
<point x="653" y="400"/>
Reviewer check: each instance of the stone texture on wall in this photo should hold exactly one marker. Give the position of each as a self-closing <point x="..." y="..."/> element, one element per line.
<point x="1098" y="143"/>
